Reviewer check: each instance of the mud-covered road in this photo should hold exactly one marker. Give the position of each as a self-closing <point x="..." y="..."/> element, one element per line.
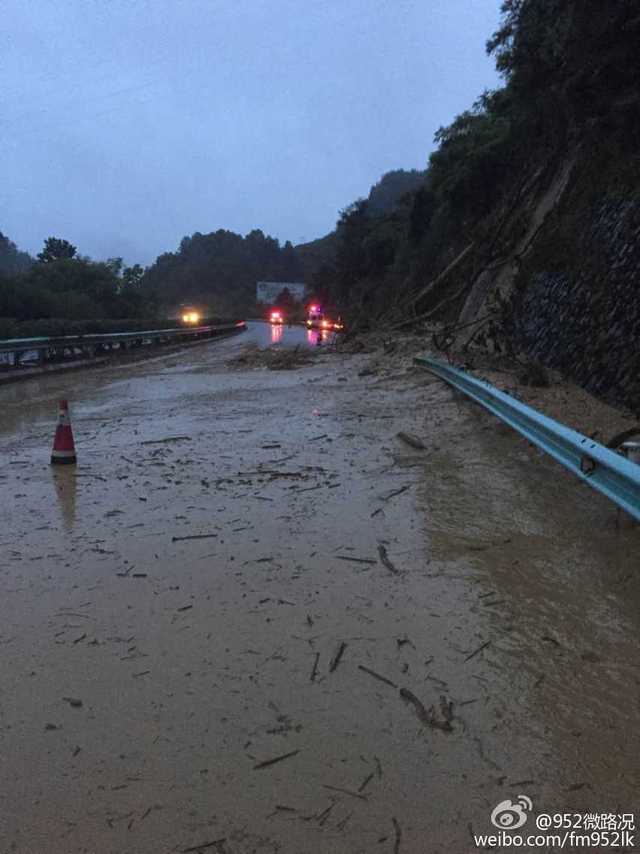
<point x="249" y="566"/>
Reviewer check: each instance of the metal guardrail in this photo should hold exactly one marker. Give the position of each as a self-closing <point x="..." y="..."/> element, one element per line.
<point x="603" y="469"/>
<point x="25" y="345"/>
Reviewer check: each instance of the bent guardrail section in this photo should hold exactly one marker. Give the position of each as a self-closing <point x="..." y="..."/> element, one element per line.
<point x="604" y="470"/>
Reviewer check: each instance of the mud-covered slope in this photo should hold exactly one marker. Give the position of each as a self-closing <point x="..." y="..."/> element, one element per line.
<point x="524" y="236"/>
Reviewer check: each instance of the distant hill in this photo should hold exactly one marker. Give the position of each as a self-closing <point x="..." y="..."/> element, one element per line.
<point x="385" y="195"/>
<point x="392" y="188"/>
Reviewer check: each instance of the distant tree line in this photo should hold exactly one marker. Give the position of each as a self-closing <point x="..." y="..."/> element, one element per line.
<point x="220" y="269"/>
<point x="61" y="284"/>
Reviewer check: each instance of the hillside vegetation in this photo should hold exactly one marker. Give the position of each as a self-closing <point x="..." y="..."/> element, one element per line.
<point x="220" y="270"/>
<point x="570" y="96"/>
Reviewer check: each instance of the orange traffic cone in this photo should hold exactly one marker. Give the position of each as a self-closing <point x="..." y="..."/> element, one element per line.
<point x="64" y="450"/>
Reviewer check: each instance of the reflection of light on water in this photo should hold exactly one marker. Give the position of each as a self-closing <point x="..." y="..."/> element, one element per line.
<point x="315" y="337"/>
<point x="277" y="331"/>
<point x="64" y="478"/>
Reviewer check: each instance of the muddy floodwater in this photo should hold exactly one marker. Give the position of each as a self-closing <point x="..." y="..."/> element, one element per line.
<point x="252" y="619"/>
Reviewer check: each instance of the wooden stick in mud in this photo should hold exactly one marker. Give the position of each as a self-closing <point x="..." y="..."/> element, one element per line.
<point x="366" y="781"/>
<point x="479" y="649"/>
<point x="397" y="492"/>
<point x="335" y="661"/>
<point x="377" y="676"/>
<point x="203" y="845"/>
<point x="384" y="560"/>
<point x="398" y="832"/>
<point x="413" y="441"/>
<point x="345" y="792"/>
<point x="168" y="439"/>
<point x="268" y="762"/>
<point x="315" y="667"/>
<point x="427" y="717"/>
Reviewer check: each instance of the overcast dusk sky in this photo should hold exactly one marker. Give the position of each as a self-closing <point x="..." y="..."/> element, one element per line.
<point x="127" y="124"/>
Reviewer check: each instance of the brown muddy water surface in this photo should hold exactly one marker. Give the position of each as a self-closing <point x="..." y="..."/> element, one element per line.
<point x="238" y="558"/>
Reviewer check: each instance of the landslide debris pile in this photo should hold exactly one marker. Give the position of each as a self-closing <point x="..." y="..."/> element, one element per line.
<point x="272" y="358"/>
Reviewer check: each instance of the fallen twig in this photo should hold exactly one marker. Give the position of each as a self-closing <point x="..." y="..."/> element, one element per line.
<point x="412" y="440"/>
<point x="366" y="781"/>
<point x="193" y="537"/>
<point x="426" y="716"/>
<point x="168" y="439"/>
<point x="324" y="815"/>
<point x="377" y="676"/>
<point x="384" y="560"/>
<point x="345" y="792"/>
<point x="203" y="845"/>
<point x="396" y="492"/>
<point x="314" y="670"/>
<point x="398" y="832"/>
<point x="479" y="649"/>
<point x="268" y="762"/>
<point x="356" y="559"/>
<point x="335" y="661"/>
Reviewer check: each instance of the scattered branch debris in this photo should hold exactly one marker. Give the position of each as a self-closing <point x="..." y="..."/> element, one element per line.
<point x="412" y="440"/>
<point x="479" y="649"/>
<point x="314" y="670"/>
<point x="377" y="676"/>
<point x="168" y="439"/>
<point x="366" y="781"/>
<point x="272" y="358"/>
<point x="396" y="492"/>
<point x="426" y="716"/>
<point x="215" y="843"/>
<point x="335" y="661"/>
<point x="384" y="560"/>
<point x="346" y="792"/>
<point x="398" y="834"/>
<point x="268" y="762"/>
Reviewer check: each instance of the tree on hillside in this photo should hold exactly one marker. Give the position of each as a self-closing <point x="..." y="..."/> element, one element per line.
<point x="391" y="188"/>
<point x="12" y="260"/>
<point x="132" y="278"/>
<point x="289" y="264"/>
<point x="569" y="61"/>
<point x="55" y="249"/>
